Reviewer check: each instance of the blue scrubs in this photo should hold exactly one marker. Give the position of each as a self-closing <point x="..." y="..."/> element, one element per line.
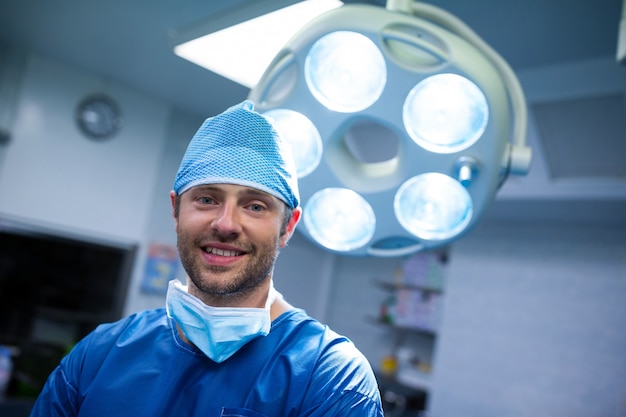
<point x="139" y="366"/>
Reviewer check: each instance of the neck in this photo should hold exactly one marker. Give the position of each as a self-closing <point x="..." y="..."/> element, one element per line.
<point x="279" y="306"/>
<point x="255" y="298"/>
<point x="248" y="298"/>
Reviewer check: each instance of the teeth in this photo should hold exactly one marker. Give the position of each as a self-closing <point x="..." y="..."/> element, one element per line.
<point x="222" y="252"/>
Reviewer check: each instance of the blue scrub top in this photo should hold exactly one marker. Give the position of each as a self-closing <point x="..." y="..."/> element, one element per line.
<point x="139" y="366"/>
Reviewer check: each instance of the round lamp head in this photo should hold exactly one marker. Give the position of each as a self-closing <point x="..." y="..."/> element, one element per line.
<point x="433" y="206"/>
<point x="303" y="136"/>
<point x="345" y="71"/>
<point x="445" y="113"/>
<point x="339" y="219"/>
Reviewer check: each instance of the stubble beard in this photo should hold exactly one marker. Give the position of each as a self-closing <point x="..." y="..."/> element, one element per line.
<point x="209" y="278"/>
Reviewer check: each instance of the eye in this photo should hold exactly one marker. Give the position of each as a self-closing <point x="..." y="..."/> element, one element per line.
<point x="206" y="200"/>
<point x="256" y="207"/>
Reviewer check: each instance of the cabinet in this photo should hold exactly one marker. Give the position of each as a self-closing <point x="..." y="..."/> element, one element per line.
<point x="411" y="310"/>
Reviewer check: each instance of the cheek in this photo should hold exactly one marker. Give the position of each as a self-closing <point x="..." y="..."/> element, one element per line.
<point x="267" y="232"/>
<point x="188" y="223"/>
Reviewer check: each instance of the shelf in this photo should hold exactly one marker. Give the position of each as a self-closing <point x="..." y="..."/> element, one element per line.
<point x="414" y="379"/>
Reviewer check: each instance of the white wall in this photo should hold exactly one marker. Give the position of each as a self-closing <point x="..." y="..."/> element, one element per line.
<point x="356" y="301"/>
<point x="52" y="175"/>
<point x="534" y="323"/>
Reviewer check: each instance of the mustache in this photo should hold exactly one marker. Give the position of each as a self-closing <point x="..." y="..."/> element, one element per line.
<point x="213" y="237"/>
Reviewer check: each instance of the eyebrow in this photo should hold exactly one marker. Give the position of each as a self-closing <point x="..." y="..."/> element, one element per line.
<point x="244" y="190"/>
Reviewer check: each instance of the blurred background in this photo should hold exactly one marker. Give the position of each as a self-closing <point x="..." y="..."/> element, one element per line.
<point x="523" y="316"/>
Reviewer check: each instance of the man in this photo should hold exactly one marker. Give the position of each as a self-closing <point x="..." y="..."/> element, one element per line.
<point x="227" y="343"/>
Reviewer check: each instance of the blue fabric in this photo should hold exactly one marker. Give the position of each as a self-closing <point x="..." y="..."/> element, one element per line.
<point x="240" y="146"/>
<point x="140" y="367"/>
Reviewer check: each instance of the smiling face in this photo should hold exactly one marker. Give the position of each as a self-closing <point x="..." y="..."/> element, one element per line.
<point x="228" y="239"/>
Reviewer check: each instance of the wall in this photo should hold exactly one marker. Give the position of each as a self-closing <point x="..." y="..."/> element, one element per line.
<point x="534" y="323"/>
<point x="355" y="302"/>
<point x="51" y="174"/>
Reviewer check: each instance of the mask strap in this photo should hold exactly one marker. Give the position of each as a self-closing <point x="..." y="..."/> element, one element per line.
<point x="272" y="295"/>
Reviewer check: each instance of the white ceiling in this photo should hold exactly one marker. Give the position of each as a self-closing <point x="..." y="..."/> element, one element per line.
<point x="131" y="42"/>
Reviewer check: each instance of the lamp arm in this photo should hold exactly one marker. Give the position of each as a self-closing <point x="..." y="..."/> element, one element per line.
<point x="516" y="94"/>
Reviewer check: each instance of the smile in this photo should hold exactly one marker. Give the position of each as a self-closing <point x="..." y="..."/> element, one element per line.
<point x="222" y="252"/>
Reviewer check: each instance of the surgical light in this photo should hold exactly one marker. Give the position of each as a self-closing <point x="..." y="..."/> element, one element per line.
<point x="301" y="133"/>
<point x="345" y="71"/>
<point x="420" y="123"/>
<point x="433" y="206"/>
<point x="339" y="219"/>
<point x="445" y="113"/>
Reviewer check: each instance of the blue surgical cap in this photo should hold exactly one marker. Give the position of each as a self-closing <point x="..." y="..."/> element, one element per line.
<point x="240" y="146"/>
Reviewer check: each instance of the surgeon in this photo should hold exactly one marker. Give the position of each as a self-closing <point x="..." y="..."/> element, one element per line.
<point x="226" y="343"/>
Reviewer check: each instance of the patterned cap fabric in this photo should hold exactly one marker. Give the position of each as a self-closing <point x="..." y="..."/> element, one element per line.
<point x="240" y="146"/>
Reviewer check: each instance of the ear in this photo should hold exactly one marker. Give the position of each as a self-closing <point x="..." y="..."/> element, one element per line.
<point x="173" y="201"/>
<point x="291" y="226"/>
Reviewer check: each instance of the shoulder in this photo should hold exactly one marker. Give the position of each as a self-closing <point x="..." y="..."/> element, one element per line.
<point x="341" y="377"/>
<point x="134" y="324"/>
<point x="317" y="339"/>
<point x="140" y="328"/>
<point x="342" y="361"/>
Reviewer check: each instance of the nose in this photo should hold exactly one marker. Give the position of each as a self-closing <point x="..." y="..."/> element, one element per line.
<point x="226" y="222"/>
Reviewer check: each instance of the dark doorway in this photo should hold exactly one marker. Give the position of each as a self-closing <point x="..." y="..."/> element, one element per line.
<point x="54" y="289"/>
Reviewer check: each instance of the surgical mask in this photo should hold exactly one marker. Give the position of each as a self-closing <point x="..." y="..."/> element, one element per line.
<point x="219" y="332"/>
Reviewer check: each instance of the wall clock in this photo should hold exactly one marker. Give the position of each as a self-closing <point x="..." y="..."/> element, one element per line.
<point x="99" y="117"/>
